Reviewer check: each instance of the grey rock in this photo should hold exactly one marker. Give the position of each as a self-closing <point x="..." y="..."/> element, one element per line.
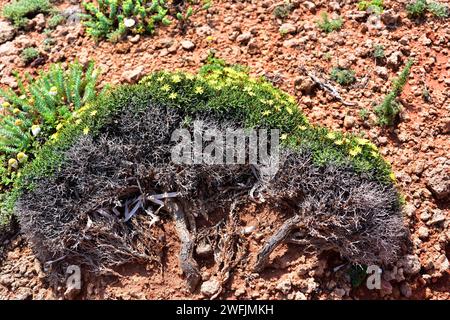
<point x="349" y="122"/>
<point x="7" y="31"/>
<point x="204" y="249"/>
<point x="244" y="38"/>
<point x="423" y="232"/>
<point x="438" y="178"/>
<point x="287" y="28"/>
<point x="132" y="76"/>
<point x="410" y="264"/>
<point x="187" y="45"/>
<point x="210" y="287"/>
<point x="390" y="17"/>
<point x="405" y="289"/>
<point x="382" y="72"/>
<point x="441" y="264"/>
<point x="284" y="286"/>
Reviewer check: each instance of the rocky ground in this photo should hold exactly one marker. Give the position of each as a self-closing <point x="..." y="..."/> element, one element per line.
<point x="248" y="33"/>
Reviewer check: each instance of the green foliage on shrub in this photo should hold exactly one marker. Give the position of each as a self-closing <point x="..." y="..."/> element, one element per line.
<point x="389" y="109"/>
<point x="376" y="6"/>
<point x="30" y="54"/>
<point x="19" y="11"/>
<point x="342" y="76"/>
<point x="37" y="112"/>
<point x="229" y="94"/>
<point x="419" y="8"/>
<point x="327" y="25"/>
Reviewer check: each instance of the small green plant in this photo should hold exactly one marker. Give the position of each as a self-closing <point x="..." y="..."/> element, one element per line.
<point x="375" y="6"/>
<point x="19" y="11"/>
<point x="30" y="54"/>
<point x="114" y="19"/>
<point x="439" y="10"/>
<point x="327" y="25"/>
<point x="193" y="7"/>
<point x="342" y="76"/>
<point x="389" y="109"/>
<point x="55" y="20"/>
<point x="417" y="8"/>
<point x="282" y="11"/>
<point x="38" y="111"/>
<point x="378" y="52"/>
<point x="363" y="114"/>
<point x="327" y="56"/>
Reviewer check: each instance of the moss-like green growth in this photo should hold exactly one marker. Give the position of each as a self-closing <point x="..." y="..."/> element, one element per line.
<point x="19" y="11"/>
<point x="375" y="6"/>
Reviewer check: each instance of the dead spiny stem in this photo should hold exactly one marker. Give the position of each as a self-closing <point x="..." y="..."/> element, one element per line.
<point x="187" y="263"/>
<point x="274" y="241"/>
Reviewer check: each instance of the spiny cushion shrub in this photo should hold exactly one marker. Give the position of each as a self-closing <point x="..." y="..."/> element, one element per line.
<point x="389" y="109"/>
<point x="19" y="11"/>
<point x="343" y="76"/>
<point x="329" y="25"/>
<point x="114" y="19"/>
<point x="36" y="113"/>
<point x="83" y="197"/>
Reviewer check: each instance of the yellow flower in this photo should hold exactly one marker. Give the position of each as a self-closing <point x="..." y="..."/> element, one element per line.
<point x="284" y="136"/>
<point x="23" y="97"/>
<point x="361" y="141"/>
<point x="277" y="108"/>
<point x="165" y="88"/>
<point x="78" y="121"/>
<point x="53" y="91"/>
<point x="54" y="136"/>
<point x="355" y="151"/>
<point x="18" y="122"/>
<point x="16" y="111"/>
<point x="372" y="146"/>
<point x="86" y="130"/>
<point x="59" y="126"/>
<point x="266" y="113"/>
<point x="190" y="76"/>
<point x="13" y="163"/>
<point x="270" y="102"/>
<point x="35" y="129"/>
<point x="303" y="128"/>
<point x="374" y="154"/>
<point x="160" y="78"/>
<point x="93" y="113"/>
<point x="22" y="157"/>
<point x="392" y="176"/>
<point x="210" y="38"/>
<point x="6" y="104"/>
<point x="339" y="142"/>
<point x="289" y="110"/>
<point x="173" y="95"/>
<point x="331" y="135"/>
<point x="199" y="90"/>
<point x="31" y="101"/>
<point x="176" y="78"/>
